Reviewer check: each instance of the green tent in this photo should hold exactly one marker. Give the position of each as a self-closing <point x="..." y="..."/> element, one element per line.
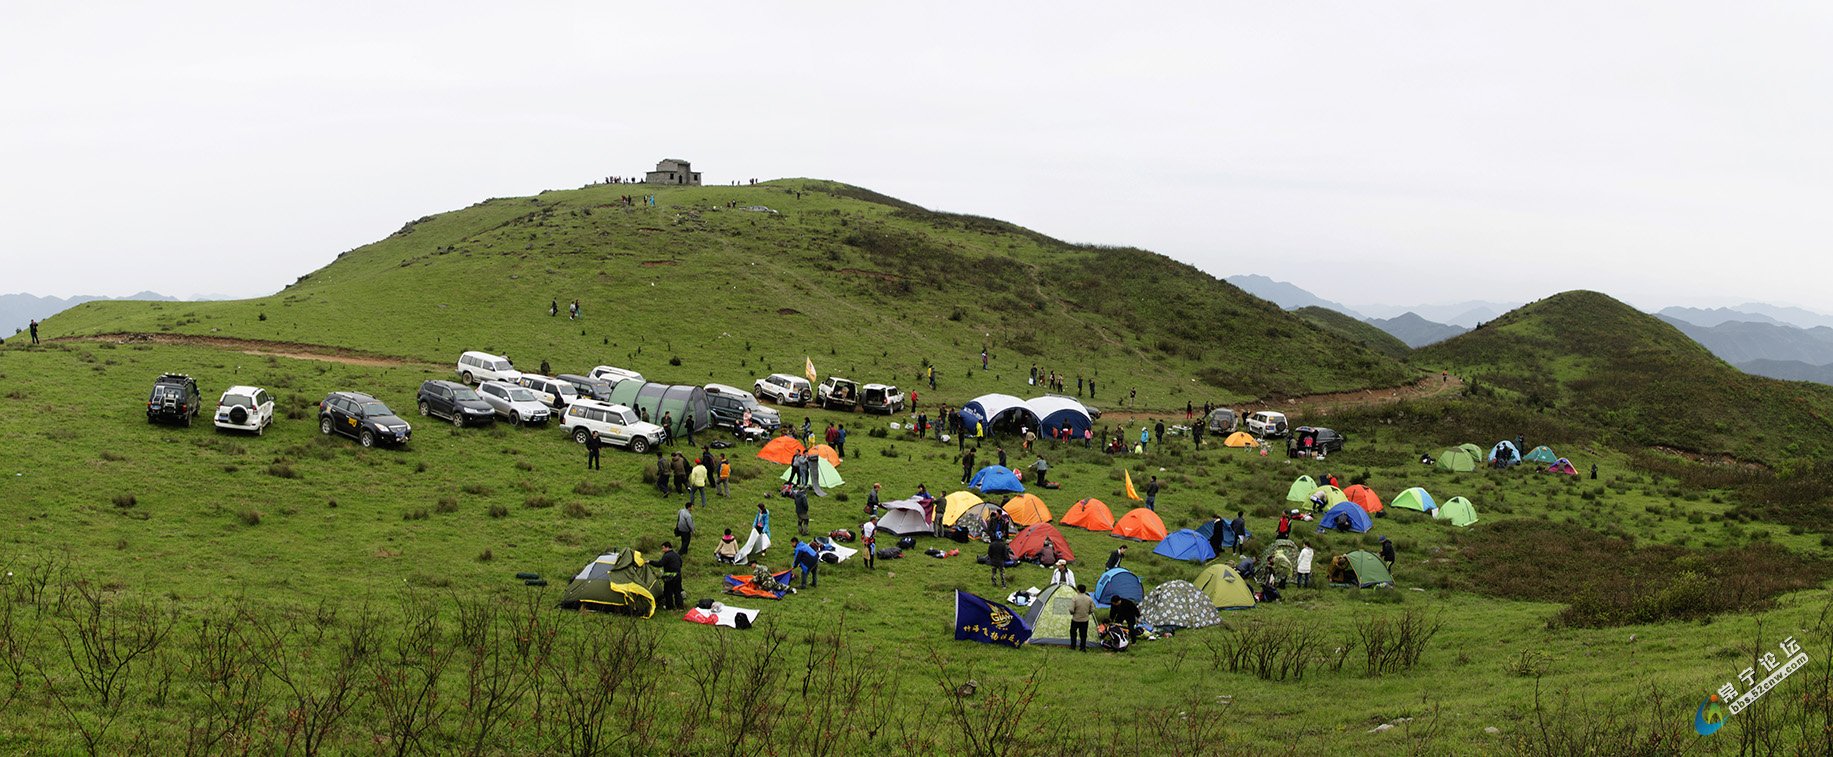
<point x="1458" y="459"/>
<point x="1225" y="588"/>
<point x="1332" y="495"/>
<point x="1049" y="613"/>
<point x="1459" y="511"/>
<point x="1370" y="570"/>
<point x="1301" y="489"/>
<point x="825" y="477"/>
<point x="1413" y="499"/>
<point x="617" y="581"/>
<point x="1476" y="452"/>
<point x="1282" y="555"/>
<point x="1541" y="454"/>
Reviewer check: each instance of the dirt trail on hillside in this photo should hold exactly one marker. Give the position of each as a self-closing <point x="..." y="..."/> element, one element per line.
<point x="1319" y="404"/>
<point x="259" y="347"/>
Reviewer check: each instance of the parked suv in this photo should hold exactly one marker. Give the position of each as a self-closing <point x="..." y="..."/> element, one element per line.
<point x="1220" y="421"/>
<point x="512" y="402"/>
<point x="175" y="399"/>
<point x="245" y="408"/>
<point x="1266" y="423"/>
<point x="363" y="418"/>
<point x="589" y="388"/>
<point x="881" y="398"/>
<point x="615" y="424"/>
<point x="476" y="367"/>
<point x="1322" y="439"/>
<point x="726" y="405"/>
<point x="454" y="402"/>
<point x="552" y="392"/>
<point x="783" y="389"/>
<point x="615" y="374"/>
<point x="836" y="392"/>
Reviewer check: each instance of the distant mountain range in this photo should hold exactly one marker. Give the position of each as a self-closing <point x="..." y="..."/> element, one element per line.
<point x="1284" y="294"/>
<point x="1789" y="370"/>
<point x="1465" y="315"/>
<point x="1415" y="325"/>
<point x="1739" y="342"/>
<point x="1415" y="331"/>
<point x="19" y="310"/>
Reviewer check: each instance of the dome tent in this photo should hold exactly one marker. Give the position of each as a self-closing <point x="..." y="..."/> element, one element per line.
<point x="996" y="479"/>
<point x="1056" y="411"/>
<point x="1091" y="514"/>
<point x="1414" y="499"/>
<point x="1226" y="589"/>
<point x="1186" y="545"/>
<point x="1359" y="521"/>
<point x="1457" y="510"/>
<point x="1178" y="605"/>
<point x="1301" y="489"/>
<point x="1118" y="583"/>
<point x="617" y="581"/>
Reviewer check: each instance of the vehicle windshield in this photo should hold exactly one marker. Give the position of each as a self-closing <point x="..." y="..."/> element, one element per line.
<point x="464" y="393"/>
<point x="373" y="409"/>
<point x="501" y="365"/>
<point x="566" y="390"/>
<point x="236" y="401"/>
<point x="622" y="417"/>
<point x="518" y="394"/>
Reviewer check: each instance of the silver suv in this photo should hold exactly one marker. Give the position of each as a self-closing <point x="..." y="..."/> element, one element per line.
<point x="514" y="403"/>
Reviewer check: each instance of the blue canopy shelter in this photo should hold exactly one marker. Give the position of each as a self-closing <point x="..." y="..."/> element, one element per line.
<point x="1054" y="412"/>
<point x="997" y="409"/>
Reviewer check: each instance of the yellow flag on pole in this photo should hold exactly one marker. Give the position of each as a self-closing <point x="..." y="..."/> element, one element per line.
<point x="1131" y="494"/>
<point x="808" y="369"/>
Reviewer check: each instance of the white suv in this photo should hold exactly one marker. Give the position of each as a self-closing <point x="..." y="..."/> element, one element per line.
<point x="1266" y="423"/>
<point x="615" y="424"/>
<point x="784" y="389"/>
<point x="615" y="374"/>
<point x="245" y="408"/>
<point x="552" y="392"/>
<point x="477" y="367"/>
<point x="513" y="402"/>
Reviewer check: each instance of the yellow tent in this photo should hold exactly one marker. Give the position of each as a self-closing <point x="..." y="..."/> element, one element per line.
<point x="1027" y="509"/>
<point x="956" y="504"/>
<point x="1241" y="439"/>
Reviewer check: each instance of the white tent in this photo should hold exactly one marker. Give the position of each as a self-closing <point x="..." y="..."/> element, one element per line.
<point x="992" y="407"/>
<point x="1055" y="411"/>
<point x="903" y="517"/>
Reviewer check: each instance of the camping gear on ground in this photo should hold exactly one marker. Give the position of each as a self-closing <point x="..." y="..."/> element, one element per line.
<point x="1345" y="516"/>
<point x="1364" y="498"/>
<point x="1458" y="460"/>
<point x="903" y="517"/>
<point x="977" y="619"/>
<point x="1023" y="598"/>
<point x="781" y="450"/>
<point x="957" y="503"/>
<point x="525" y="576"/>
<point x="1542" y="454"/>
<point x="1301" y="489"/>
<point x="996" y="479"/>
<point x="756" y="544"/>
<point x="1241" y="439"/>
<point x="746" y="586"/>
<point x="1414" y="499"/>
<point x="1048" y="614"/>
<point x="890" y="553"/>
<point x="1186" y="544"/>
<point x="840" y="534"/>
<point x="1457" y="510"/>
<point x="1114" y="637"/>
<point x="1368" y="570"/>
<point x="1118" y="582"/>
<point x="617" y="581"/>
<point x="1027" y="509"/>
<point x="722" y="615"/>
<point x="1226" y="589"/>
<point x="1029" y="544"/>
<point x="1563" y="466"/>
<point x="906" y="543"/>
<point x="1140" y="524"/>
<point x="1178" y="605"/>
<point x="829" y="552"/>
<point x="826" y="477"/>
<point x="1091" y="514"/>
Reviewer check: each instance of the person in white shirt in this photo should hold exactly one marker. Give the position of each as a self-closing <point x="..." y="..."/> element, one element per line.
<point x="1303" y="569"/>
<point x="868" y="538"/>
<point x="1062" y="574"/>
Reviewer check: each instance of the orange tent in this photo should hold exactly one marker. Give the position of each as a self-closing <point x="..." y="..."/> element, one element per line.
<point x="1091" y="514"/>
<point x="1365" y="497"/>
<point x="1029" y="542"/>
<point x="780" y="450"/>
<point x="827" y="453"/>
<point x="1140" y="524"/>
<point x="1027" y="509"/>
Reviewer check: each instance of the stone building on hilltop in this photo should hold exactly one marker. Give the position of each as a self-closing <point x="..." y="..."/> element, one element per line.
<point x="673" y="171"/>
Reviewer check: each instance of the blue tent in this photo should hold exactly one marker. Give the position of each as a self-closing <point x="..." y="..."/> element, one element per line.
<point x="1055" y="412"/>
<point x="996" y="408"/>
<point x="1514" y="452"/>
<point x="1118" y="582"/>
<point x="996" y="479"/>
<point x="1358" y="518"/>
<point x="1186" y="545"/>
<point x="1228" y="538"/>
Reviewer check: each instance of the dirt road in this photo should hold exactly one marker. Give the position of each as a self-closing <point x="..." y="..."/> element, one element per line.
<point x="260" y="347"/>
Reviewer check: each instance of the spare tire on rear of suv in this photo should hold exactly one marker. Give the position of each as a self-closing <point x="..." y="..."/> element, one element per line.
<point x="239" y="416"/>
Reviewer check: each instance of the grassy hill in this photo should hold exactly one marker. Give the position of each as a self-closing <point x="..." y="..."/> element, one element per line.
<point x="868" y="286"/>
<point x="1355" y="331"/>
<point x="1602" y="363"/>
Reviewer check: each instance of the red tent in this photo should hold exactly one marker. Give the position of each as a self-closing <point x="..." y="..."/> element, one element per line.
<point x="1029" y="542"/>
<point x="1365" y="497"/>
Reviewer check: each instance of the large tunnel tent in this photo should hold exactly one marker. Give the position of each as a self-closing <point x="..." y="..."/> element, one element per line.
<point x="684" y="402"/>
<point x="1054" y="412"/>
<point x="1002" y="411"/>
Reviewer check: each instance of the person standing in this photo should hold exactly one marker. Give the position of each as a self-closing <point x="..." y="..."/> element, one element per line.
<point x="1091" y="388"/>
<point x="1145" y="438"/>
<point x="1080" y="610"/>
<point x="932" y="378"/>
<point x="1041" y="469"/>
<point x="983" y="360"/>
<point x="1158" y="432"/>
<point x="808" y="431"/>
<point x="1061" y="574"/>
<point x="662" y="473"/>
<point x="997" y="556"/>
<point x="1594" y="466"/>
<point x="759" y="540"/>
<point x="1152" y="494"/>
<point x="1114" y="558"/>
<point x="1239" y="527"/>
<point x="872" y="501"/>
<point x="1218" y="533"/>
<point x="35" y="339"/>
<point x="808" y="561"/>
<point x="1305" y="556"/>
<point x="553" y="308"/>
<point x="1285" y="525"/>
<point x="696" y="483"/>
<point x="680" y="465"/>
<point x="684" y="525"/>
<point x="967" y="466"/>
<point x="801" y="498"/>
<point x="840" y="441"/>
<point x="725" y="476"/>
<point x="593" y="443"/>
<point x="1387" y="553"/>
<point x="869" y="540"/>
<point x="668" y="427"/>
<point x="670" y="563"/>
<point x="1002" y="456"/>
<point x="913" y="400"/>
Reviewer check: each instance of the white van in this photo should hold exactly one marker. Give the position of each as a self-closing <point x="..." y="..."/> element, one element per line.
<point x="478" y="367"/>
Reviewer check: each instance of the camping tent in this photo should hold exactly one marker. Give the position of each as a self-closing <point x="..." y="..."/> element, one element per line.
<point x="1241" y="439"/>
<point x="1027" y="509"/>
<point x="1140" y="524"/>
<point x="1028" y="543"/>
<point x="996" y="479"/>
<point x="974" y="520"/>
<point x="1458" y="459"/>
<point x="826" y="453"/>
<point x="1364" y="497"/>
<point x="1287" y="549"/>
<point x="683" y="402"/>
<point x="1563" y="465"/>
<point x="1301" y="489"/>
<point x="1225" y="588"/>
<point x="825" y="475"/>
<point x="903" y="517"/>
<point x="780" y="450"/>
<point x="1054" y="412"/>
<point x="1178" y="604"/>
<point x="1514" y="453"/>
<point x="1332" y="495"/>
<point x="1228" y="534"/>
<point x="955" y="504"/>
<point x="1459" y="511"/>
<point x="997" y="408"/>
<point x="1118" y="582"/>
<point x="1186" y="545"/>
<point x="1473" y="450"/>
<point x="1359" y="521"/>
<point x="1541" y="454"/>
<point x="1370" y="571"/>
<point x="616" y="581"/>
<point x="1414" y="499"/>
<point x="1091" y="514"/>
<point x="1049" y="613"/>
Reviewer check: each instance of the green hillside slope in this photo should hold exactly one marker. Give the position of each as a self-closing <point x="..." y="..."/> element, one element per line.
<point x="1355" y="331"/>
<point x="867" y="286"/>
<point x="1606" y="365"/>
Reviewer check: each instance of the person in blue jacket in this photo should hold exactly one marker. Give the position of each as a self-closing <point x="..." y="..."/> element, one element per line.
<point x="808" y="561"/>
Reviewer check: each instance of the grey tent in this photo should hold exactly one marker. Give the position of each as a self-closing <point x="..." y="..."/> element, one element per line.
<point x="1178" y="604"/>
<point x="685" y="403"/>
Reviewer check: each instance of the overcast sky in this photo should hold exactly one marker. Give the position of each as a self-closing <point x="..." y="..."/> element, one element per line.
<point x="1667" y="153"/>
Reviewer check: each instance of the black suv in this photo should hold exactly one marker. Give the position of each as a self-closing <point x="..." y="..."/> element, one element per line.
<point x="726" y="406"/>
<point x="1322" y="439"/>
<point x="454" y="402"/>
<point x="175" y="398"/>
<point x="588" y="387"/>
<point x="361" y="417"/>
